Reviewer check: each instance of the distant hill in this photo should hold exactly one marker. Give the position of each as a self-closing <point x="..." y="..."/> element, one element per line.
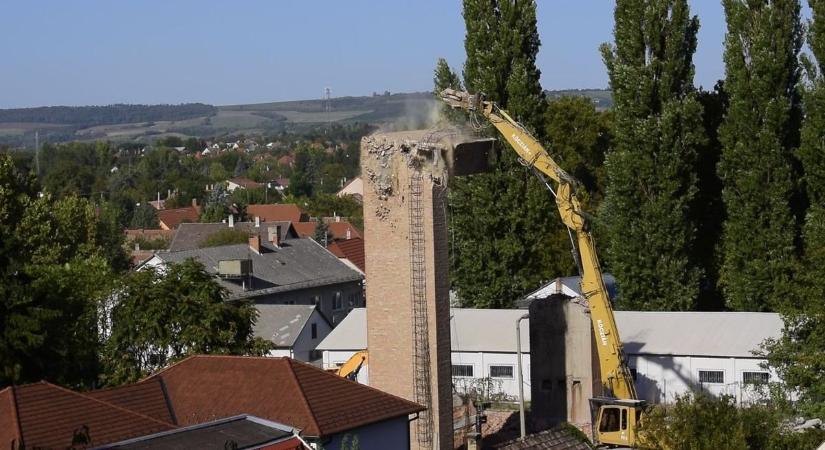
<point x="602" y="98"/>
<point x="149" y="122"/>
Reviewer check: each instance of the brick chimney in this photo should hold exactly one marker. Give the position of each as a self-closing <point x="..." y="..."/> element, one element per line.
<point x="255" y="243"/>
<point x="274" y="235"/>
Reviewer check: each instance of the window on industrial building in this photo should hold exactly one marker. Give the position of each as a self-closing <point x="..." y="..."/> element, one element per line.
<point x="337" y="301"/>
<point x="462" y="370"/>
<point x="314" y="331"/>
<point x="755" y="377"/>
<point x="711" y="376"/>
<point x="634" y="373"/>
<point x="501" y="371"/>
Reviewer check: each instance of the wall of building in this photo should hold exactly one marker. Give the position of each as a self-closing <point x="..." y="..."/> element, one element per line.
<point x="562" y="363"/>
<point x="389" y="434"/>
<point x="659" y="379"/>
<point x="351" y="291"/>
<point x="389" y="162"/>
<point x="304" y="346"/>
<point x="504" y="388"/>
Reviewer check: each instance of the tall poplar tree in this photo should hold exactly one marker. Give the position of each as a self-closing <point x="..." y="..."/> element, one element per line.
<point x="647" y="212"/>
<point x="797" y="354"/>
<point x="757" y="166"/>
<point x="505" y="230"/>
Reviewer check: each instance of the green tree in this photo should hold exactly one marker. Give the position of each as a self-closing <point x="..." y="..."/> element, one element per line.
<point x="145" y="216"/>
<point x="444" y="78"/>
<point x="757" y="166"/>
<point x="505" y="238"/>
<point x="796" y="355"/>
<point x="322" y="233"/>
<point x="159" y="318"/>
<point x="226" y="236"/>
<point x="56" y="260"/>
<point x="651" y="168"/>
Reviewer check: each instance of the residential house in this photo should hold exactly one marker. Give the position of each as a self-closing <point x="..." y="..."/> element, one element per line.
<point x="669" y="353"/>
<point x="238" y="432"/>
<point x="351" y="251"/>
<point x="170" y="219"/>
<point x="43" y="415"/>
<point x="273" y="403"/>
<point x="354" y="188"/>
<point x="191" y="236"/>
<point x="242" y="183"/>
<point x="295" y="330"/>
<point x="279" y="268"/>
<point x="326" y="408"/>
<point x="337" y="227"/>
<point x="286" y="161"/>
<point x="283" y="212"/>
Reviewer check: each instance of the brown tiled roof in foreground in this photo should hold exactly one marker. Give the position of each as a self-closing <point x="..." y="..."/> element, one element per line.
<point x="48" y="416"/>
<point x="205" y="388"/>
<point x="146" y="397"/>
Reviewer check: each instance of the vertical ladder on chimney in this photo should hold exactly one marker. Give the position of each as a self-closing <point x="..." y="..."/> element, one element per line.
<point x="421" y="335"/>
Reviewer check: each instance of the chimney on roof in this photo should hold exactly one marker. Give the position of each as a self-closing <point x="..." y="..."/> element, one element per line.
<point x="231" y="221"/>
<point x="168" y="193"/>
<point x="255" y="243"/>
<point x="349" y="234"/>
<point x="337" y="218"/>
<point x="274" y="235"/>
<point x="257" y="222"/>
<point x="195" y="202"/>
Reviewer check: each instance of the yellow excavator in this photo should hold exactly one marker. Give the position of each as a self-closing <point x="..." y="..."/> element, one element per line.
<point x="618" y="411"/>
<point x="353" y="365"/>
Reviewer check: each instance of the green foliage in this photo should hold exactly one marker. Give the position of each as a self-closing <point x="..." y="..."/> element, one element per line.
<point x="757" y="164"/>
<point x="100" y="115"/>
<point x="158" y="318"/>
<point x="445" y="78"/>
<point x="304" y="173"/>
<point x="226" y="236"/>
<point x="647" y="213"/>
<point x="145" y="216"/>
<point x="322" y="233"/>
<point x="57" y="258"/>
<point x="700" y="421"/>
<point x="796" y="355"/>
<point x="506" y="236"/>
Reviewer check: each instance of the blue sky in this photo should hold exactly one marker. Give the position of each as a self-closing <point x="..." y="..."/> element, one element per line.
<point x="84" y="52"/>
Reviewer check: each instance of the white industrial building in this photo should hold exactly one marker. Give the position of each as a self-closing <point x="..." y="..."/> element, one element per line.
<point x="670" y="353"/>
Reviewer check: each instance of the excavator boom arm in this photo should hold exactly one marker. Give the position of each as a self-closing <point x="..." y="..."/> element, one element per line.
<point x="615" y="374"/>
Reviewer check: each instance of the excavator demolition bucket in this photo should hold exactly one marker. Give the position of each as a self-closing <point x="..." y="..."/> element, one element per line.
<point x="469" y="157"/>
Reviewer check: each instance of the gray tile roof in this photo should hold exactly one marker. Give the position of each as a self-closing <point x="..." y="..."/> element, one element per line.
<point x="561" y="438"/>
<point x="296" y="264"/>
<point x="189" y="236"/>
<point x="281" y="324"/>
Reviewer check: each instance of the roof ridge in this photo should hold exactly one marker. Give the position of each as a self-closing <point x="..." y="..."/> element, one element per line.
<point x="15" y="414"/>
<point x="289" y="362"/>
<point x="112" y="388"/>
<point x="110" y="404"/>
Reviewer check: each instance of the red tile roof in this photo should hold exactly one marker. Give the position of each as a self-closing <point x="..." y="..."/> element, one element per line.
<point x="170" y="218"/>
<point x="337" y="230"/>
<point x="203" y="388"/>
<point x="304" y="229"/>
<point x="146" y="397"/>
<point x="48" y="416"/>
<point x="351" y="249"/>
<point x="286" y="212"/>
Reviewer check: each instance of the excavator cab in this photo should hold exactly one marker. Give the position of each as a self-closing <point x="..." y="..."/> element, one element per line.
<point x="615" y="421"/>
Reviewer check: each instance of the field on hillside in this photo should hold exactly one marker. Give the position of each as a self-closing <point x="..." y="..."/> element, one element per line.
<point x="60" y="124"/>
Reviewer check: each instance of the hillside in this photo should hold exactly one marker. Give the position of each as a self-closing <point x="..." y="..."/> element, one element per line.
<point x="145" y="123"/>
